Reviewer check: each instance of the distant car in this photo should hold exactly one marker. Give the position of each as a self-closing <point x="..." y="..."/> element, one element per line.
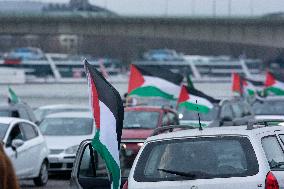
<point x="139" y="123"/>
<point x="19" y="110"/>
<point x="43" y="111"/>
<point x="63" y="133"/>
<point x="162" y="55"/>
<point x="227" y="112"/>
<point x="269" y="108"/>
<point x="25" y="53"/>
<point x="27" y="149"/>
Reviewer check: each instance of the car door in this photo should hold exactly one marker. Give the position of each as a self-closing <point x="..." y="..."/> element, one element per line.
<point x="32" y="147"/>
<point x="18" y="156"/>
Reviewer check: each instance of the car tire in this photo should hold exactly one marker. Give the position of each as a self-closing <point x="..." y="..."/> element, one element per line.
<point x="42" y="178"/>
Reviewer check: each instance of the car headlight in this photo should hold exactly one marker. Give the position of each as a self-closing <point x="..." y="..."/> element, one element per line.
<point x="72" y="149"/>
<point x="180" y="116"/>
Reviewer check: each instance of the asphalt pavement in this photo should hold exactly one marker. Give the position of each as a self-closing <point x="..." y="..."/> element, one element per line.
<point x="54" y="182"/>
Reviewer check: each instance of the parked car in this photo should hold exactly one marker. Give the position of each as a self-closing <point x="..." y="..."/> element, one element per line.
<point x="269" y="108"/>
<point x="228" y="157"/>
<point x="27" y="149"/>
<point x="19" y="110"/>
<point x="63" y="133"/>
<point x="42" y="111"/>
<point x="25" y="53"/>
<point x="162" y="55"/>
<point x="139" y="123"/>
<point x="227" y="112"/>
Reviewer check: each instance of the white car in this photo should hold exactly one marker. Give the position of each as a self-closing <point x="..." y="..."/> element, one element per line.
<point x="42" y="111"/>
<point x="269" y="108"/>
<point x="63" y="133"/>
<point x="27" y="149"/>
<point x="217" y="158"/>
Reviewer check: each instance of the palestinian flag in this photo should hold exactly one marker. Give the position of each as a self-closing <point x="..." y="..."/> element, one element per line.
<point x="245" y="86"/>
<point x="107" y="110"/>
<point x="195" y="100"/>
<point x="154" y="81"/>
<point x="13" y="98"/>
<point x="274" y="84"/>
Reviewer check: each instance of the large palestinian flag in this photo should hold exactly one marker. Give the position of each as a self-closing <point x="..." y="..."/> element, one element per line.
<point x="244" y="86"/>
<point x="195" y="100"/>
<point x="274" y="84"/>
<point x="154" y="81"/>
<point x="107" y="110"/>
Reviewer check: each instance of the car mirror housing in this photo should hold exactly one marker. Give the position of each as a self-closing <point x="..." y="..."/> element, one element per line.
<point x="16" y="143"/>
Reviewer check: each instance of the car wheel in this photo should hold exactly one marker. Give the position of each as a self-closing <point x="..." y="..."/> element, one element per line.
<point x="42" y="178"/>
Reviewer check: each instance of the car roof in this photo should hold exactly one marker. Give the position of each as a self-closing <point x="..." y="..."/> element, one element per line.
<point x="62" y="106"/>
<point x="8" y="120"/>
<point x="214" y="131"/>
<point x="152" y="108"/>
<point x="70" y="115"/>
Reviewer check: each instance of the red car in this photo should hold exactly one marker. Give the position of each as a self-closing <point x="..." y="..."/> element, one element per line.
<point x="139" y="124"/>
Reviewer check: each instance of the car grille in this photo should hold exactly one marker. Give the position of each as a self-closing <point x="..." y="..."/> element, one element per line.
<point x="55" y="151"/>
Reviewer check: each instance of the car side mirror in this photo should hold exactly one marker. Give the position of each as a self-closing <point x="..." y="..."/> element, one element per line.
<point x="16" y="143"/>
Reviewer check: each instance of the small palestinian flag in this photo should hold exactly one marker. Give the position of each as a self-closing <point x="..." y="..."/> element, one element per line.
<point x="195" y="100"/>
<point x="274" y="84"/>
<point x="13" y="98"/>
<point x="108" y="112"/>
<point x="244" y="86"/>
<point x="154" y="81"/>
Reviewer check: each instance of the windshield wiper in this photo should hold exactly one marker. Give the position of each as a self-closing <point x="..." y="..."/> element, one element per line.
<point x="273" y="164"/>
<point x="185" y="174"/>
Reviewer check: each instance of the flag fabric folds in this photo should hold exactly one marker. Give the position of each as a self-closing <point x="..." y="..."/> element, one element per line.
<point x="13" y="98"/>
<point x="194" y="100"/>
<point x="108" y="112"/>
<point x="274" y="84"/>
<point x="245" y="86"/>
<point x="154" y="81"/>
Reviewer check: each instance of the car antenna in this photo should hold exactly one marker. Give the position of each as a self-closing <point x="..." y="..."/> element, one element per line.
<point x="200" y="127"/>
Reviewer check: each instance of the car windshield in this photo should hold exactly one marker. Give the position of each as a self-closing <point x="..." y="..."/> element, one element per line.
<point x="42" y="113"/>
<point x="182" y="159"/>
<point x="66" y="126"/>
<point x="3" y="130"/>
<point x="185" y="114"/>
<point x="269" y="107"/>
<point x="140" y="119"/>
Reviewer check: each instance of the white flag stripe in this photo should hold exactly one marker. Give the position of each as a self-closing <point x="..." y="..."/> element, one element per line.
<point x="279" y="84"/>
<point x="162" y="84"/>
<point x="201" y="101"/>
<point x="108" y="136"/>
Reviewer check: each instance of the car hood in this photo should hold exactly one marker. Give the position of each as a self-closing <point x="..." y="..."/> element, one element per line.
<point x="259" y="117"/>
<point x="63" y="142"/>
<point x="136" y="133"/>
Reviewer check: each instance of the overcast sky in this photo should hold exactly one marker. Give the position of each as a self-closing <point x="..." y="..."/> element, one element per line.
<point x="189" y="7"/>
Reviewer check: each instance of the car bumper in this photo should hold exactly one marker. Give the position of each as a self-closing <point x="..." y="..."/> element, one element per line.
<point x="61" y="162"/>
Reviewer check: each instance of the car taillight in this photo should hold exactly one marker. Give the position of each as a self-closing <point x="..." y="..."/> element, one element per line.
<point x="125" y="186"/>
<point x="271" y="181"/>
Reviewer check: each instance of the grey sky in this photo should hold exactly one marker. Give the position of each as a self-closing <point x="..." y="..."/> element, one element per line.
<point x="189" y="7"/>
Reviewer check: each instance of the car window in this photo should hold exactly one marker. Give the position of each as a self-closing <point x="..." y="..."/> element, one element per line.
<point x="66" y="126"/>
<point x="140" y="119"/>
<point x="226" y="111"/>
<point x="15" y="133"/>
<point x="165" y="119"/>
<point x="91" y="164"/>
<point x="173" y="119"/>
<point x="268" y="107"/>
<point x="29" y="131"/>
<point x="3" y="130"/>
<point x="238" y="111"/>
<point x="273" y="150"/>
<point x="220" y="157"/>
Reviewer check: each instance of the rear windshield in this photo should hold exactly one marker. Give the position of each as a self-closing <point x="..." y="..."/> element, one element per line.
<point x="196" y="158"/>
<point x="140" y="119"/>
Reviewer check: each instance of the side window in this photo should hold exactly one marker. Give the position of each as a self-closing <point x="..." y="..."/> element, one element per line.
<point x="165" y="119"/>
<point x="226" y="111"/>
<point x="173" y="119"/>
<point x="272" y="149"/>
<point x="238" y="112"/>
<point x="14" y="134"/>
<point x="91" y="164"/>
<point x="29" y="131"/>
<point x="15" y="113"/>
